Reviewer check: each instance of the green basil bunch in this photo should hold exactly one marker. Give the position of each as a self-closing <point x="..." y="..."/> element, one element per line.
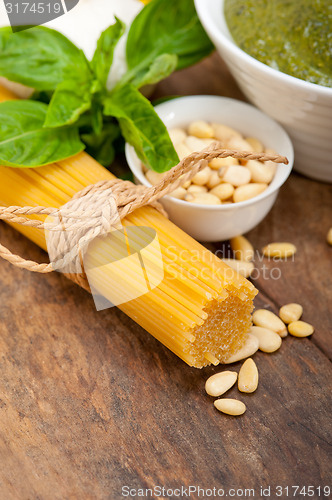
<point x="72" y="109"/>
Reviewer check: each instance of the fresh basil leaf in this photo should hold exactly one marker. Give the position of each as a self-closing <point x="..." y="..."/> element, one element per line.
<point x="101" y="146"/>
<point x="41" y="58"/>
<point x="103" y="56"/>
<point x="97" y="116"/>
<point x="160" y="68"/>
<point x="167" y="27"/>
<point x="141" y="127"/>
<point x="25" y="143"/>
<point x="68" y="102"/>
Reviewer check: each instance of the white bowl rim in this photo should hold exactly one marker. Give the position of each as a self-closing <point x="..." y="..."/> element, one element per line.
<point x="202" y="9"/>
<point x="129" y="150"/>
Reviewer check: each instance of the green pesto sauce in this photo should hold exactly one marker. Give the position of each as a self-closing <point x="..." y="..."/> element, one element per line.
<point x="292" y="36"/>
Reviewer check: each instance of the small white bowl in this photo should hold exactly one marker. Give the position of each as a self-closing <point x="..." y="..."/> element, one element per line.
<point x="221" y="222"/>
<point x="303" y="108"/>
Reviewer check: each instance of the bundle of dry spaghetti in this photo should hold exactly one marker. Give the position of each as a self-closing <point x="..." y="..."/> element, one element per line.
<point x="201" y="310"/>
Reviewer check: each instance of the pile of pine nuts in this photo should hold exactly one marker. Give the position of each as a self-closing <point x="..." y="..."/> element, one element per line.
<point x="224" y="180"/>
<point x="266" y="335"/>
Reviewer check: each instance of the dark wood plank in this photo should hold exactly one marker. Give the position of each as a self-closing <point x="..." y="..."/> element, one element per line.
<point x="90" y="402"/>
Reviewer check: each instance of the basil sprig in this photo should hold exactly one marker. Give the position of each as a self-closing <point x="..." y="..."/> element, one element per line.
<point x="76" y="105"/>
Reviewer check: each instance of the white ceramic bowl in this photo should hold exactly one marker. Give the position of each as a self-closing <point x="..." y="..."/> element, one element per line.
<point x="304" y="109"/>
<point x="221" y="222"/>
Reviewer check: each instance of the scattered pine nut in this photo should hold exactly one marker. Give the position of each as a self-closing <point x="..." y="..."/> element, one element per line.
<point x="300" y="329"/>
<point x="232" y="407"/>
<point x="248" y="376"/>
<point x="281" y="250"/>
<point x="329" y="236"/>
<point x="242" y="248"/>
<point x="290" y="312"/>
<point x="240" y="266"/>
<point x="218" y="384"/>
<point x="269" y="341"/>
<point x="201" y="129"/>
<point x="269" y="320"/>
<point x="249" y="348"/>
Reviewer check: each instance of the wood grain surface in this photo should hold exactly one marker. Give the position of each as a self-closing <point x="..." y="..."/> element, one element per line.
<point x="89" y="402"/>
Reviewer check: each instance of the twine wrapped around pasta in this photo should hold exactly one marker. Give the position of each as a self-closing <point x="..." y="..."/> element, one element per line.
<point x="88" y="213"/>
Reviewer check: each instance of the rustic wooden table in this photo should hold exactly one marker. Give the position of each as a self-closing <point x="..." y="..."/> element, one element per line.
<point x="89" y="402"/>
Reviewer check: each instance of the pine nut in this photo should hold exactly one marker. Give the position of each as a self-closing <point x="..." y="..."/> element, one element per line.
<point x="255" y="144"/>
<point x="240" y="266"/>
<point x="201" y="129"/>
<point x="220" y="383"/>
<point x="260" y="172"/>
<point x="282" y="250"/>
<point x="177" y="135"/>
<point x="217" y="163"/>
<point x="214" y="180"/>
<point x="290" y="312"/>
<point x="267" y="319"/>
<point x="203" y="199"/>
<point x="238" y="143"/>
<point x="248" y="191"/>
<point x="193" y="189"/>
<point x="271" y="164"/>
<point x="194" y="143"/>
<point x="208" y="142"/>
<point x="248" y="376"/>
<point x="185" y="184"/>
<point x="154" y="177"/>
<point x="242" y="248"/>
<point x="237" y="175"/>
<point x="329" y="236"/>
<point x="223" y="133"/>
<point x="269" y="341"/>
<point x="250" y="347"/>
<point x="182" y="150"/>
<point x="300" y="329"/>
<point x="179" y="193"/>
<point x="232" y="407"/>
<point x="223" y="191"/>
<point x="202" y="176"/>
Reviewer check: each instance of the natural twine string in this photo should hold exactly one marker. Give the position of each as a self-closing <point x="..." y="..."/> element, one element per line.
<point x="98" y="208"/>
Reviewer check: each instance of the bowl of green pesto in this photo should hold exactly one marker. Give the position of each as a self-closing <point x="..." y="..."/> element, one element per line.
<point x="280" y="53"/>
